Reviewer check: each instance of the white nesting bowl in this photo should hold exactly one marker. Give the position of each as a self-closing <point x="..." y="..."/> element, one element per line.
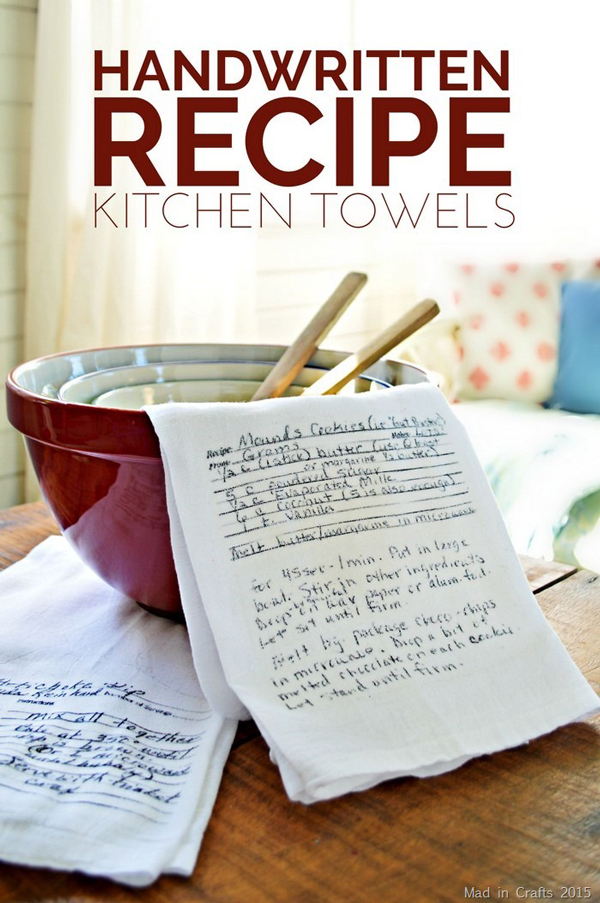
<point x="89" y="388"/>
<point x="133" y="398"/>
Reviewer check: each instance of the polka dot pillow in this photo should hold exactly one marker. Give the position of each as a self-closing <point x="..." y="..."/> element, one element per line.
<point x="509" y="324"/>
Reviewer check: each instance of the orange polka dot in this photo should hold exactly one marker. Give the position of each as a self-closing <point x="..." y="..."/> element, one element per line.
<point x="523" y="318"/>
<point x="540" y="289"/>
<point x="500" y="351"/>
<point x="467" y="268"/>
<point x="476" y="322"/>
<point x="497" y="289"/>
<point x="511" y="267"/>
<point x="558" y="266"/>
<point x="546" y="351"/>
<point x="479" y="378"/>
<point x="456" y="298"/>
<point x="524" y="380"/>
<point x="461" y="352"/>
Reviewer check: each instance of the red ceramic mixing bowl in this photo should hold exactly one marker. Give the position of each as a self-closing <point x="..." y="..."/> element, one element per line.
<point x="100" y="469"/>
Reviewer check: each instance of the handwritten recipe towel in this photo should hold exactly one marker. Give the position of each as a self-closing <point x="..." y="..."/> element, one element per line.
<point x="110" y="756"/>
<point x="348" y="580"/>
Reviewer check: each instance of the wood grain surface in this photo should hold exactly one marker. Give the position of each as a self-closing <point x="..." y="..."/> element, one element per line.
<point x="21" y="529"/>
<point x="524" y="821"/>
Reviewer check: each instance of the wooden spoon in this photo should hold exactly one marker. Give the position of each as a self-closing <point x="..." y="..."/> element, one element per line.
<point x="295" y="357"/>
<point x="333" y="380"/>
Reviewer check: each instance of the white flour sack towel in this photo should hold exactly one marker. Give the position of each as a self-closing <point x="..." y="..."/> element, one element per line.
<point x="110" y="755"/>
<point x="348" y="581"/>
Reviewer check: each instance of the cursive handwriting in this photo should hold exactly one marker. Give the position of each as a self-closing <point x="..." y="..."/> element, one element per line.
<point x="94" y="755"/>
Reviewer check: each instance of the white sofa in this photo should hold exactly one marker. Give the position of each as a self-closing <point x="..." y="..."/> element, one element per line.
<point x="543" y="464"/>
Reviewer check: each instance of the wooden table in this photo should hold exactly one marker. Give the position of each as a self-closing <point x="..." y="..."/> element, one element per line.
<point x="525" y="820"/>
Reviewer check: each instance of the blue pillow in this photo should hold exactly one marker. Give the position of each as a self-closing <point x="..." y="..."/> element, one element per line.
<point x="577" y="386"/>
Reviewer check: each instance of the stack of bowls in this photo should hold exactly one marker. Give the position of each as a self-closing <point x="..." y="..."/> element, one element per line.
<point x="97" y="457"/>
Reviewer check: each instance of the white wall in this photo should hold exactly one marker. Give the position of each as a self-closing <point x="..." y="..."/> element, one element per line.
<point x="296" y="276"/>
<point x="17" y="45"/>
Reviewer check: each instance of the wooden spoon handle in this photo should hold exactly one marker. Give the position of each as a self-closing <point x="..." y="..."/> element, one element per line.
<point x="412" y="320"/>
<point x="295" y="357"/>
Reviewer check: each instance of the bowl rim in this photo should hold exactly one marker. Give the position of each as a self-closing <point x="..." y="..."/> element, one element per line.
<point x="11" y="380"/>
<point x="12" y="384"/>
<point x="115" y="432"/>
<point x="120" y="432"/>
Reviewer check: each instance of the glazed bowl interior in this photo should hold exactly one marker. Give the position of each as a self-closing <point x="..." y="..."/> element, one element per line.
<point x="133" y="398"/>
<point x="137" y="385"/>
<point x="66" y="375"/>
<point x="99" y="387"/>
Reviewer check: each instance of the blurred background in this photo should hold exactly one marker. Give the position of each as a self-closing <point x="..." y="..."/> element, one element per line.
<point x="66" y="284"/>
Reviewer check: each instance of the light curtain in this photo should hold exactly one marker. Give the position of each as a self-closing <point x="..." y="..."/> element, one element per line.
<point x="90" y="286"/>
